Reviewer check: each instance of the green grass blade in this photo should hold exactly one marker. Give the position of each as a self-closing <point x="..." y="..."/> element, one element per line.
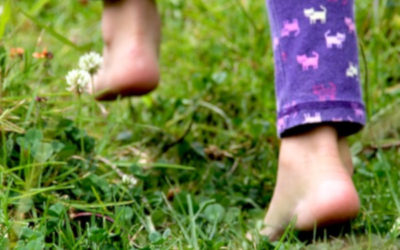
<point x="5" y="17"/>
<point x="52" y="32"/>
<point x="37" y="7"/>
<point x="85" y="206"/>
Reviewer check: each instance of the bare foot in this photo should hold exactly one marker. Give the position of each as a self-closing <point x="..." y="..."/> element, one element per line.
<point x="131" y="32"/>
<point x="314" y="185"/>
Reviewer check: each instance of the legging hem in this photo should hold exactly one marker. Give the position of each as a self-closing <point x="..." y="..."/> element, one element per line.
<point x="346" y="116"/>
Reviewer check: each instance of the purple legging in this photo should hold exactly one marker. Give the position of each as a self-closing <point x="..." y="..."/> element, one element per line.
<point x="316" y="64"/>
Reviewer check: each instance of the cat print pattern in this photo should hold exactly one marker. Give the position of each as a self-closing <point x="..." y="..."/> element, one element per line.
<point x="316" y="64"/>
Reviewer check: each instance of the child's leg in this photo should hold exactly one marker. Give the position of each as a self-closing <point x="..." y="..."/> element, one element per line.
<point x="131" y="32"/>
<point x="318" y="100"/>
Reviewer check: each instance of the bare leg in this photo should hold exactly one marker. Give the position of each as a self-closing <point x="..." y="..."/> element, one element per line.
<point x="131" y="33"/>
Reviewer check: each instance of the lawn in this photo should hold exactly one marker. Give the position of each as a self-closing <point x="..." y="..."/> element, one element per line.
<point x="190" y="166"/>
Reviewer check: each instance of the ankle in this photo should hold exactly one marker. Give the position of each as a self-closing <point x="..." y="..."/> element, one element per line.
<point x="315" y="148"/>
<point x="319" y="140"/>
<point x="132" y="20"/>
<point x="315" y="135"/>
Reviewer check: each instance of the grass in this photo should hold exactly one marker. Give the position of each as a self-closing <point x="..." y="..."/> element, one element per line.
<point x="203" y="147"/>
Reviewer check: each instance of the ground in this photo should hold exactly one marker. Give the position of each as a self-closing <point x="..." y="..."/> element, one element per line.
<point x="202" y="147"/>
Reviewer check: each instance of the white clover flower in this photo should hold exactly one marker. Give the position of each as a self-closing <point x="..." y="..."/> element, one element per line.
<point x="90" y="62"/>
<point x="77" y="80"/>
<point x="130" y="180"/>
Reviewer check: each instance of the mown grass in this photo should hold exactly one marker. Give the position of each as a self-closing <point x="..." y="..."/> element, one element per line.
<point x="203" y="147"/>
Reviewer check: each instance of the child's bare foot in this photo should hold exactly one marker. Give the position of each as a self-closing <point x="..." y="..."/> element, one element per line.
<point x="314" y="184"/>
<point x="131" y="32"/>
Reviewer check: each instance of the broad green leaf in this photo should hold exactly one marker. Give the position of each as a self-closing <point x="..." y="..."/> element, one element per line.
<point x="56" y="209"/>
<point x="214" y="213"/>
<point x="42" y="152"/>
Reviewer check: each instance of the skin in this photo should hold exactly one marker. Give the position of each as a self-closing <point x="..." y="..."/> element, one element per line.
<point x="131" y="32"/>
<point x="314" y="182"/>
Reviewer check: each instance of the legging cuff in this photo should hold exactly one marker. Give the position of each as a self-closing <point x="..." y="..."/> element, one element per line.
<point x="348" y="117"/>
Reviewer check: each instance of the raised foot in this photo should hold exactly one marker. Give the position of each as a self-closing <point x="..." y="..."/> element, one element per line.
<point x="314" y="186"/>
<point x="130" y="71"/>
<point x="131" y="32"/>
